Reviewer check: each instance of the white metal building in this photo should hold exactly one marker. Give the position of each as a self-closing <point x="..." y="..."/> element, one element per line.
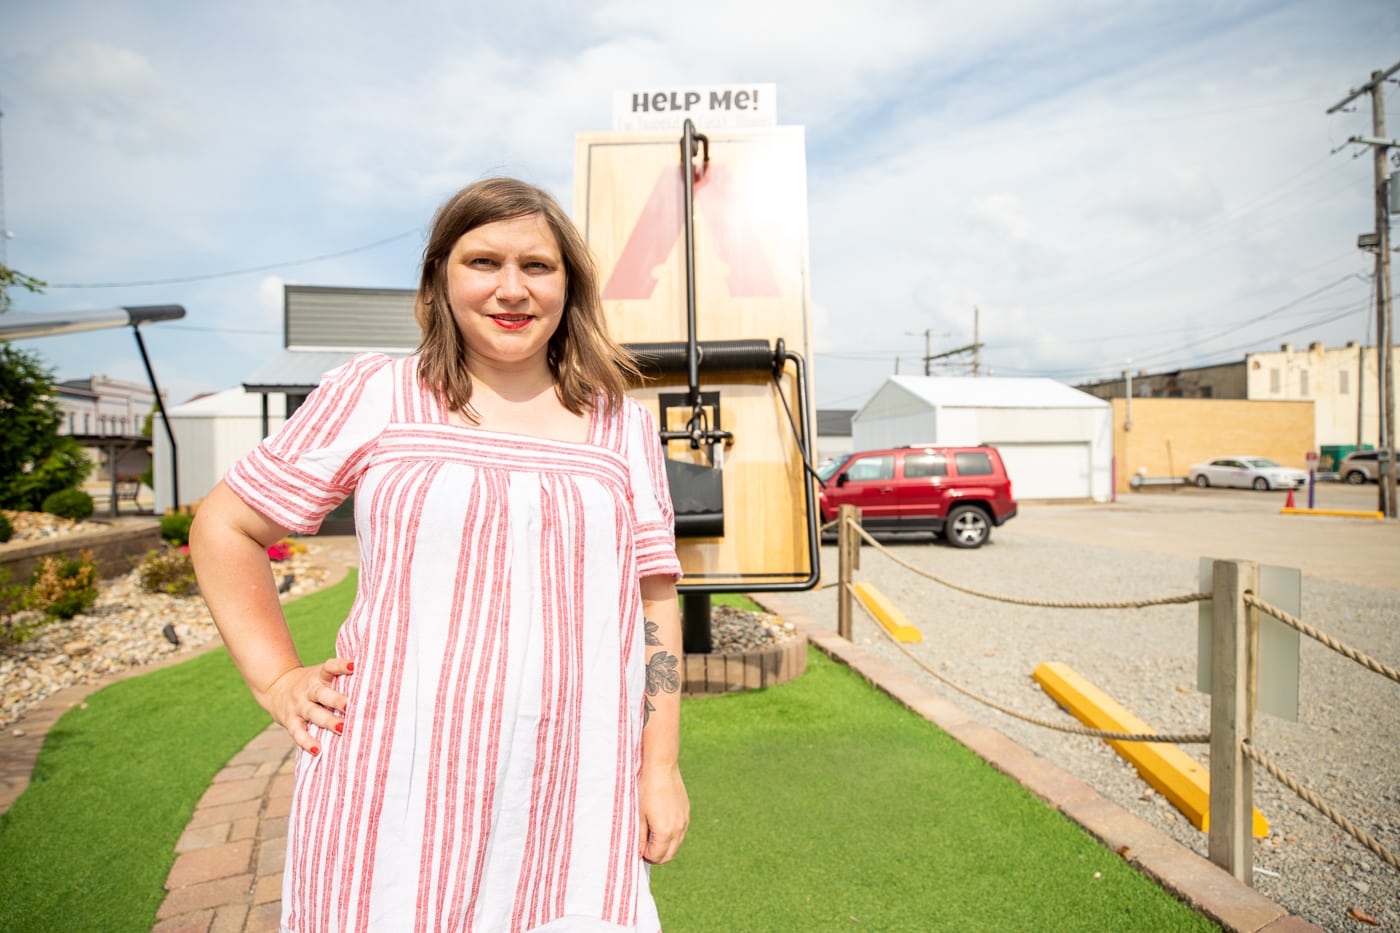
<point x="1056" y="441"/>
<point x="214" y="431"/>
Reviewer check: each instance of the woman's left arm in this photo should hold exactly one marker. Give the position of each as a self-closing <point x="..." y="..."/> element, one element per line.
<point x="665" y="808"/>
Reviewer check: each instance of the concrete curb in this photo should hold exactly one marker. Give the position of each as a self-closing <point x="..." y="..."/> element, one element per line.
<point x="1203" y="885"/>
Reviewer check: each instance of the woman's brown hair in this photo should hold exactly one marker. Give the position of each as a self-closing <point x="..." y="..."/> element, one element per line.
<point x="585" y="361"/>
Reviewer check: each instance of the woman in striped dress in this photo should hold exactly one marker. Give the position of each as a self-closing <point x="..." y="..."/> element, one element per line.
<point x="494" y="745"/>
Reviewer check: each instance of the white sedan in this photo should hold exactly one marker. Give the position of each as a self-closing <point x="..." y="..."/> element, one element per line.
<point x="1246" y="472"/>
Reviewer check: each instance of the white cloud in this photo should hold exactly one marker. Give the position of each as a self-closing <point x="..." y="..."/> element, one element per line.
<point x="112" y="96"/>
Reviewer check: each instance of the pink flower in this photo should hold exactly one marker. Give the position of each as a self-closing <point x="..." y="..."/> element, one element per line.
<point x="184" y="549"/>
<point x="279" y="551"/>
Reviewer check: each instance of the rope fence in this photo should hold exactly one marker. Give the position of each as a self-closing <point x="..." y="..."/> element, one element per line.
<point x="1356" y="832"/>
<point x="1345" y="651"/>
<point x="1249" y="601"/>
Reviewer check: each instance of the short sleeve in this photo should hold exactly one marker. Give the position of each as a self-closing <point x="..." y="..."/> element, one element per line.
<point x="312" y="463"/>
<point x="653" y="518"/>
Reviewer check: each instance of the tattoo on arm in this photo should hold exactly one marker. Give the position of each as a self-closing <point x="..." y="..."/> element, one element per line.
<point x="662" y="676"/>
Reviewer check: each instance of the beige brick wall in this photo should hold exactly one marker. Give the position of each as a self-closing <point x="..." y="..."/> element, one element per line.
<point x="1170" y="434"/>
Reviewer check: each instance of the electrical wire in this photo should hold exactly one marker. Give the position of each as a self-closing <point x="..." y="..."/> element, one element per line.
<point x="181" y="280"/>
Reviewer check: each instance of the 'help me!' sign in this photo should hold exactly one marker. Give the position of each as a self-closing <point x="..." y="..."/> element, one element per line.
<point x="708" y="106"/>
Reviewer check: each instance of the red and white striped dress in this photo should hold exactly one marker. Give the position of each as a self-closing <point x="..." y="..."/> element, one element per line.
<point x="486" y="779"/>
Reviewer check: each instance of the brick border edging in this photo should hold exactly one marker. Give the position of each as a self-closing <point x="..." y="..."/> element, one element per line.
<point x="715" y="674"/>
<point x="1201" y="884"/>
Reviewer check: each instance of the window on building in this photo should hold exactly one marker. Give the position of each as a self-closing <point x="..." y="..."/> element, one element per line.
<point x="1344" y="383"/>
<point x="1303" y="386"/>
<point x="1207" y="391"/>
<point x="1275" y="381"/>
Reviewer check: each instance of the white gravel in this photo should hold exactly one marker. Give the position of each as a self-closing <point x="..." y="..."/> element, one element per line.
<point x="1344" y="746"/>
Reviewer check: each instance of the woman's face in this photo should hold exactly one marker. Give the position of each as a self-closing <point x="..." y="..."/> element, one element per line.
<point x="507" y="288"/>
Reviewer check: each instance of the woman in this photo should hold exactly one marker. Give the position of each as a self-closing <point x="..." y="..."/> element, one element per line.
<point x="490" y="749"/>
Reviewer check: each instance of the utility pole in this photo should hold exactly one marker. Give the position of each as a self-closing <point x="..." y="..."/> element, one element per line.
<point x="928" y="348"/>
<point x="4" y="231"/>
<point x="1380" y="146"/>
<point x="976" y="341"/>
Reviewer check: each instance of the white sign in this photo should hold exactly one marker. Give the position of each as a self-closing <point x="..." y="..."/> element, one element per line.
<point x="708" y="106"/>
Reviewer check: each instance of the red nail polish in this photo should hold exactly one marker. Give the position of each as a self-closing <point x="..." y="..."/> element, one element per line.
<point x="350" y="666"/>
<point x="339" y="728"/>
<point x="315" y="749"/>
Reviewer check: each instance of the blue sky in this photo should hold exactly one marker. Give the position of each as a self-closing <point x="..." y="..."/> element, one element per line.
<point x="1104" y="181"/>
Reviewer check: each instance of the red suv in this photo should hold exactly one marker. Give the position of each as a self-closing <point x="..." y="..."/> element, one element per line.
<point x="959" y="492"/>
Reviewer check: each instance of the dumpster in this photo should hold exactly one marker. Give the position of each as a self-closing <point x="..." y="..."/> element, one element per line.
<point x="1329" y="455"/>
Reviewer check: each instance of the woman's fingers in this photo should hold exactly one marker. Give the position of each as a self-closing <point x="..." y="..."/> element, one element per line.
<point x="661" y="847"/>
<point x="314" y="702"/>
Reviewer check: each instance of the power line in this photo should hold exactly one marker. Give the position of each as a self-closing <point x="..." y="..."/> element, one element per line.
<point x="180" y="280"/>
<point x="1165" y="361"/>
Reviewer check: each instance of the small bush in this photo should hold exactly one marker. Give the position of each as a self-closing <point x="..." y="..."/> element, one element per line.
<point x="7" y="530"/>
<point x="63" y="586"/>
<point x="12" y="630"/>
<point x="168" y="571"/>
<point x="176" y="528"/>
<point x="69" y="503"/>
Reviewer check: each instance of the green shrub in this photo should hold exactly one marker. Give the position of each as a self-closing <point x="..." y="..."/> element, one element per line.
<point x="12" y="629"/>
<point x="69" y="503"/>
<point x="176" y="528"/>
<point x="63" y="586"/>
<point x="7" y="530"/>
<point x="168" y="571"/>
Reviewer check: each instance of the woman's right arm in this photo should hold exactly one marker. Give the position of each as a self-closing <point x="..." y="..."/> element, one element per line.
<point x="228" y="546"/>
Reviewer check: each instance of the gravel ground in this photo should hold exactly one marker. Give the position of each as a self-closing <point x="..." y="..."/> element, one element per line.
<point x="1343" y="747"/>
<point x="123" y="630"/>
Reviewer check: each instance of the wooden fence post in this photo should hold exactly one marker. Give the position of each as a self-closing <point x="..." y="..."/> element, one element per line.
<point x="848" y="559"/>
<point x="1233" y="692"/>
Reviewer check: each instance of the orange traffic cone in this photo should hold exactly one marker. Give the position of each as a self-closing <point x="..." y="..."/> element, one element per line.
<point x="1289" y="503"/>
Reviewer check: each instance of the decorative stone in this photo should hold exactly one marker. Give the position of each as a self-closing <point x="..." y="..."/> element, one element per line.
<point x="751" y="650"/>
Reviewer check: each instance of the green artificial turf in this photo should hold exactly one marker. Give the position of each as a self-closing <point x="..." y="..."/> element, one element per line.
<point x="821" y="804"/>
<point x="89" y="844"/>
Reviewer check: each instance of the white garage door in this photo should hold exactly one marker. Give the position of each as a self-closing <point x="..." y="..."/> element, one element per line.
<point x="1047" y="471"/>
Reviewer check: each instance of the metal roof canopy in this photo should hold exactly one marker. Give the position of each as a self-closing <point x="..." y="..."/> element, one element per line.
<point x="21" y="325"/>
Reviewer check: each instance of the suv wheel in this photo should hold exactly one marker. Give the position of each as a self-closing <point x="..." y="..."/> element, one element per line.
<point x="1356" y="478"/>
<point x="967" y="526"/>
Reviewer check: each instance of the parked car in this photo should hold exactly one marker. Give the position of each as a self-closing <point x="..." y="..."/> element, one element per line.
<point x="1246" y="473"/>
<point x="961" y="493"/>
<point x="1361" y="466"/>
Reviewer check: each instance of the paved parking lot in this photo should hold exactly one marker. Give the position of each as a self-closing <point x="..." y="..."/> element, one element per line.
<point x="1236" y="524"/>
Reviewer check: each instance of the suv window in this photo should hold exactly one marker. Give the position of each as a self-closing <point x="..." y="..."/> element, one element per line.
<point x="973" y="463"/>
<point x="921" y="465"/>
<point x="870" y="469"/>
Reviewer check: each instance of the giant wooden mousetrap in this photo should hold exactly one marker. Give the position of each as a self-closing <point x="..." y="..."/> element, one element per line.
<point x="701" y="242"/>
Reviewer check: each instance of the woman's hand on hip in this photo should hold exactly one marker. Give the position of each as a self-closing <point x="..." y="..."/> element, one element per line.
<point x="305" y="696"/>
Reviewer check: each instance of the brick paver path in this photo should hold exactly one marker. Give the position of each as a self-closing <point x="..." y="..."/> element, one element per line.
<point x="227" y="876"/>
